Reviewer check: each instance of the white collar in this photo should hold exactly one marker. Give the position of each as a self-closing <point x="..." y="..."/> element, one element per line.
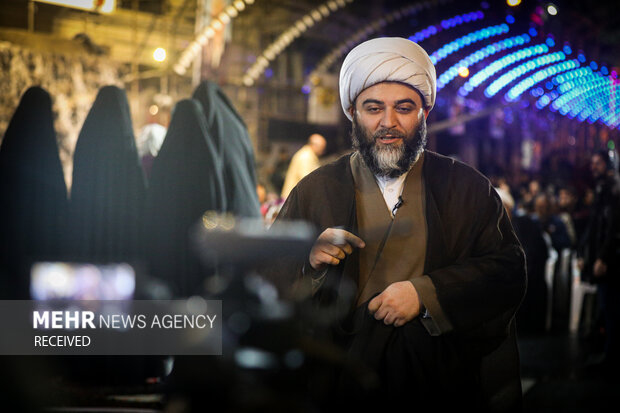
<point x="391" y="188"/>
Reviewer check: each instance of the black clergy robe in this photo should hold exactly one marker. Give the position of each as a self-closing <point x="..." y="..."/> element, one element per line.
<point x="476" y="265"/>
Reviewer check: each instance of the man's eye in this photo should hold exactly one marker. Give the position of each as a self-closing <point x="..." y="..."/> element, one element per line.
<point x="404" y="109"/>
<point x="373" y="109"/>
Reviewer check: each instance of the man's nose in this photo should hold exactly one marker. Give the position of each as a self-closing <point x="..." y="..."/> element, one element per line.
<point x="388" y="120"/>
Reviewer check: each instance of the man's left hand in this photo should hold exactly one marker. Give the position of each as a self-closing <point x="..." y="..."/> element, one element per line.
<point x="398" y="304"/>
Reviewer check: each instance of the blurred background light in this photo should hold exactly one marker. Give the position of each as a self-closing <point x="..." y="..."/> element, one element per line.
<point x="499" y="65"/>
<point x="463" y="71"/>
<point x="466" y="40"/>
<point x="159" y="54"/>
<point x="480" y="54"/>
<point x="520" y="70"/>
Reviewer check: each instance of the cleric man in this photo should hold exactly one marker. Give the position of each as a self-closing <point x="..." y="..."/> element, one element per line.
<point x="417" y="245"/>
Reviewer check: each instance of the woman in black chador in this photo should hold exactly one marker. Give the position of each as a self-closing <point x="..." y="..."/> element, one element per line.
<point x="33" y="194"/>
<point x="107" y="196"/>
<point x="232" y="142"/>
<point x="186" y="181"/>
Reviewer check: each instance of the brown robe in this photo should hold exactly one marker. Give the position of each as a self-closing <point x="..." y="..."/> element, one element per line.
<point x="473" y="261"/>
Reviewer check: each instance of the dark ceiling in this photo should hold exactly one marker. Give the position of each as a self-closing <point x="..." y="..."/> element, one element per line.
<point x="591" y="26"/>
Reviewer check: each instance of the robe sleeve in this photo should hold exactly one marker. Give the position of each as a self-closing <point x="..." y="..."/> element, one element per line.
<point x="486" y="281"/>
<point x="288" y="275"/>
<point x="431" y="315"/>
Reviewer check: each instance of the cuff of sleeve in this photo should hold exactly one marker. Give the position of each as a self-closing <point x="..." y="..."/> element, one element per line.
<point x="434" y="319"/>
<point x="317" y="277"/>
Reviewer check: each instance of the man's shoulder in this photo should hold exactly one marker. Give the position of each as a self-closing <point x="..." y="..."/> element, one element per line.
<point x="444" y="167"/>
<point x="339" y="166"/>
<point x="304" y="152"/>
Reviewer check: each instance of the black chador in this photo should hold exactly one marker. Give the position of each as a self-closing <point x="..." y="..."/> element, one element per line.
<point x="232" y="142"/>
<point x="108" y="189"/>
<point x="33" y="193"/>
<point x="186" y="181"/>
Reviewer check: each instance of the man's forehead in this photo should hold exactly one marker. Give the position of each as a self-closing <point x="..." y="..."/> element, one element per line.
<point x="391" y="91"/>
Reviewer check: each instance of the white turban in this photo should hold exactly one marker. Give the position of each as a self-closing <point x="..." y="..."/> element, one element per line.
<point x="387" y="59"/>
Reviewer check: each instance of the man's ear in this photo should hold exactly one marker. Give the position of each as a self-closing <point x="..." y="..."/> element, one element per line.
<point x="352" y="111"/>
<point x="426" y="111"/>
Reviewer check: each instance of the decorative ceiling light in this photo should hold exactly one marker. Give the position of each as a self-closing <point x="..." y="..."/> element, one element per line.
<point x="376" y="25"/>
<point x="498" y="65"/>
<point x="208" y="32"/>
<point x="224" y="18"/>
<point x="450" y="74"/>
<point x="159" y="54"/>
<point x="466" y="40"/>
<point x="99" y="6"/>
<point x="288" y="36"/>
<point x="232" y="12"/>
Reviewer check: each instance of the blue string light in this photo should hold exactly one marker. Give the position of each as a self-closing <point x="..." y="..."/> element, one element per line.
<point x="516" y="91"/>
<point x="567" y="101"/>
<point x="543" y="101"/>
<point x="480" y="54"/>
<point x="613" y="119"/>
<point x="570" y="84"/>
<point x="577" y="88"/>
<point x="594" y="103"/>
<point x="498" y="65"/>
<point x="599" y="107"/>
<point x="573" y="74"/>
<point x="466" y="40"/>
<point x="537" y="92"/>
<point x="587" y="103"/>
<point x="445" y="25"/>
<point x="520" y="70"/>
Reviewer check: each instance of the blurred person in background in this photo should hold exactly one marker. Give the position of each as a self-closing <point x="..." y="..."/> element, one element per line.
<point x="530" y="319"/>
<point x="151" y="137"/>
<point x="600" y="253"/>
<point x="303" y="162"/>
<point x="567" y="203"/>
<point x="550" y="222"/>
<point x="529" y="194"/>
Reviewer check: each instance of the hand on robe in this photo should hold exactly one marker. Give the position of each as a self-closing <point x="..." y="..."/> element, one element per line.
<point x="332" y="246"/>
<point x="600" y="268"/>
<point x="398" y="304"/>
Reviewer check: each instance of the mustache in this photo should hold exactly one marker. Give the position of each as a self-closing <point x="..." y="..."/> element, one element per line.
<point x="382" y="133"/>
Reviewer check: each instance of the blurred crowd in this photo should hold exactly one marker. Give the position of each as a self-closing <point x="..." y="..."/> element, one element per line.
<point x="571" y="236"/>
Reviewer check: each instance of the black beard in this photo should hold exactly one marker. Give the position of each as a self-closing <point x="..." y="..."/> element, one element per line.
<point x="366" y="145"/>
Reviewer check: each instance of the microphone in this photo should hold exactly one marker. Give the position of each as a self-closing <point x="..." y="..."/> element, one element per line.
<point x="397" y="205"/>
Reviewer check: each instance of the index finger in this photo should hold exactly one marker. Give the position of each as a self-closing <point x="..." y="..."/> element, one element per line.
<point x="346" y="236"/>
